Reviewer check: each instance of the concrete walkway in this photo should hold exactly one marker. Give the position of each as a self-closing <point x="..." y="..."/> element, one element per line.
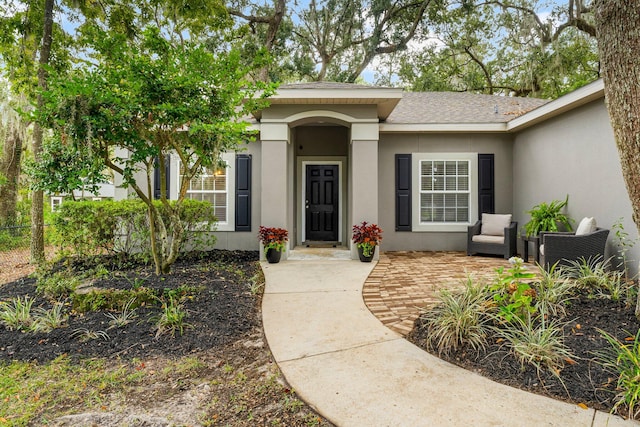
<point x="356" y="372"/>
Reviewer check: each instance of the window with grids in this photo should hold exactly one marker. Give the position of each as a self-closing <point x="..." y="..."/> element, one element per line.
<point x="211" y="185"/>
<point x="444" y="191"/>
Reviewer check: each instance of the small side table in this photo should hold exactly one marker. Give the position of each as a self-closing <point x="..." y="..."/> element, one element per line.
<point x="536" y="245"/>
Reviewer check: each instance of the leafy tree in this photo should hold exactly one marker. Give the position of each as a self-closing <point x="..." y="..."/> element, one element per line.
<point x="618" y="33"/>
<point x="151" y="97"/>
<point x="506" y="47"/>
<point x="27" y="49"/>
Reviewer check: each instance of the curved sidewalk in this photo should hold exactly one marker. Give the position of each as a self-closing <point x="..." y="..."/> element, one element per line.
<point x="356" y="372"/>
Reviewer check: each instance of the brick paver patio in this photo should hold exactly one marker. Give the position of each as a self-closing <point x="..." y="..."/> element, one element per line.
<point x="404" y="282"/>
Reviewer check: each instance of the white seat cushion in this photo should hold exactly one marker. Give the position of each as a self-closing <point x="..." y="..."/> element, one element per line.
<point x="586" y="226"/>
<point x="494" y="224"/>
<point x="483" y="238"/>
<point x="541" y="250"/>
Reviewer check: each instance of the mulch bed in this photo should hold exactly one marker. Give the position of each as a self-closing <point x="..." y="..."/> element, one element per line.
<point x="584" y="382"/>
<point x="222" y="311"/>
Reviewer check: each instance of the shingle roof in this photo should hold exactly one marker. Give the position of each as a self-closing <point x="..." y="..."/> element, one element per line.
<point x="453" y="107"/>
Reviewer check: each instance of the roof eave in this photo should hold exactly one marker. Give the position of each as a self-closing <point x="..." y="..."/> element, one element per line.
<point x="443" y="127"/>
<point x="385" y="99"/>
<point x="584" y="95"/>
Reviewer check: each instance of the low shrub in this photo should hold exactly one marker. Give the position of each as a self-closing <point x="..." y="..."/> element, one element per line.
<point x="458" y="319"/>
<point x="112" y="299"/>
<point x="16" y="313"/>
<point x="99" y="227"/>
<point x="57" y="285"/>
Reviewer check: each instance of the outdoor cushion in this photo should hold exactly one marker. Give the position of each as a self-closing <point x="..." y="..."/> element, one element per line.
<point x="586" y="226"/>
<point x="483" y="238"/>
<point x="494" y="224"/>
<point x="541" y="249"/>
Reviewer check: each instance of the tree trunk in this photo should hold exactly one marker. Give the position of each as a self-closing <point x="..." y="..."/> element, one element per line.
<point x="37" y="198"/>
<point x="10" y="169"/>
<point x="618" y="34"/>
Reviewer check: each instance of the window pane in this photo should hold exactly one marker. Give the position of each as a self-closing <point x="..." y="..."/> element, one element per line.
<point x="463" y="168"/>
<point x="463" y="183"/>
<point x="438" y="183"/>
<point x="438" y="168"/>
<point x="463" y="200"/>
<point x="427" y="183"/>
<point x="221" y="182"/>
<point x="463" y="214"/>
<point x="450" y="168"/>
<point x="451" y="183"/>
<point x="426" y="168"/>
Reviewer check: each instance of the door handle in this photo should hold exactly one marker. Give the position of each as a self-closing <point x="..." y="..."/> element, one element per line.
<point x="306" y="204"/>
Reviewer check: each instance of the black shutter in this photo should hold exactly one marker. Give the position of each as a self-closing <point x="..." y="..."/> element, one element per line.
<point x="403" y="192"/>
<point x="156" y="177"/>
<point x="243" y="192"/>
<point x="486" y="188"/>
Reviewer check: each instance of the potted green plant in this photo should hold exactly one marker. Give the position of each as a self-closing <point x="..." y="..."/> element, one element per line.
<point x="366" y="237"/>
<point x="273" y="240"/>
<point x="547" y="217"/>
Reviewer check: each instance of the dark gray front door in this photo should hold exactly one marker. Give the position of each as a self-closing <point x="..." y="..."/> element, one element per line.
<point x="321" y="204"/>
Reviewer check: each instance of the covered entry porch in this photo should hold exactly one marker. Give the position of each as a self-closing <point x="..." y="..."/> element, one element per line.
<point x="319" y="161"/>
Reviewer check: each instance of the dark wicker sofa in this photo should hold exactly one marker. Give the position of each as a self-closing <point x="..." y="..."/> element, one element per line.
<point x="564" y="247"/>
<point x="507" y="248"/>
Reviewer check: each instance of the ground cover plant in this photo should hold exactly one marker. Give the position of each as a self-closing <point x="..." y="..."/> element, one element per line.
<point x="567" y="333"/>
<point x="123" y="346"/>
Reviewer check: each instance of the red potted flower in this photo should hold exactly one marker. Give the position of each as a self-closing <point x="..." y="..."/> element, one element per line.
<point x="273" y="240"/>
<point x="366" y="237"/>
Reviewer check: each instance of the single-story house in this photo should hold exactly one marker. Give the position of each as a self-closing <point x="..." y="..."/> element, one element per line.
<point x="421" y="165"/>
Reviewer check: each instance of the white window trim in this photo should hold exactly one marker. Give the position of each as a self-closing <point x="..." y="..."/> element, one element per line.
<point x="230" y="160"/>
<point x="56" y="202"/>
<point x="416" y="225"/>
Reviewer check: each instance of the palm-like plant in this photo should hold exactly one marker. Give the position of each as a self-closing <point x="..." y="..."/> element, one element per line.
<point x="547" y="217"/>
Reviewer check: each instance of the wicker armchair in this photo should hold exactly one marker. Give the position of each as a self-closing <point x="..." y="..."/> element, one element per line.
<point x="562" y="248"/>
<point x="505" y="246"/>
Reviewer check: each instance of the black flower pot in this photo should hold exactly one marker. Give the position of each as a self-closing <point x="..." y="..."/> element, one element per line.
<point x="364" y="258"/>
<point x="273" y="256"/>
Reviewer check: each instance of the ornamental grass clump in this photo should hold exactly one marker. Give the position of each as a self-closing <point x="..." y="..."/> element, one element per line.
<point x="537" y="341"/>
<point x="458" y="319"/>
<point x="367" y="236"/>
<point x="623" y="360"/>
<point x="273" y="238"/>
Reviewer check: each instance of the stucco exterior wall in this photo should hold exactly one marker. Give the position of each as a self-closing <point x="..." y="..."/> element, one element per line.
<point x="245" y="240"/>
<point x="573" y="154"/>
<point x="391" y="144"/>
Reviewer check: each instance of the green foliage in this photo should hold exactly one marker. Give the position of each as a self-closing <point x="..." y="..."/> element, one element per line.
<point x="57" y="285"/>
<point x="91" y="228"/>
<point x="458" y="319"/>
<point x="172" y="318"/>
<point x="137" y="97"/>
<point x="547" y="217"/>
<point x="85" y="335"/>
<point x="513" y="295"/>
<point x="623" y="360"/>
<point x="48" y="320"/>
<point x="123" y="318"/>
<point x="553" y="291"/>
<point x="536" y="341"/>
<point x="112" y="299"/>
<point x="625" y="244"/>
<point x="593" y="276"/>
<point x="16" y="314"/>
